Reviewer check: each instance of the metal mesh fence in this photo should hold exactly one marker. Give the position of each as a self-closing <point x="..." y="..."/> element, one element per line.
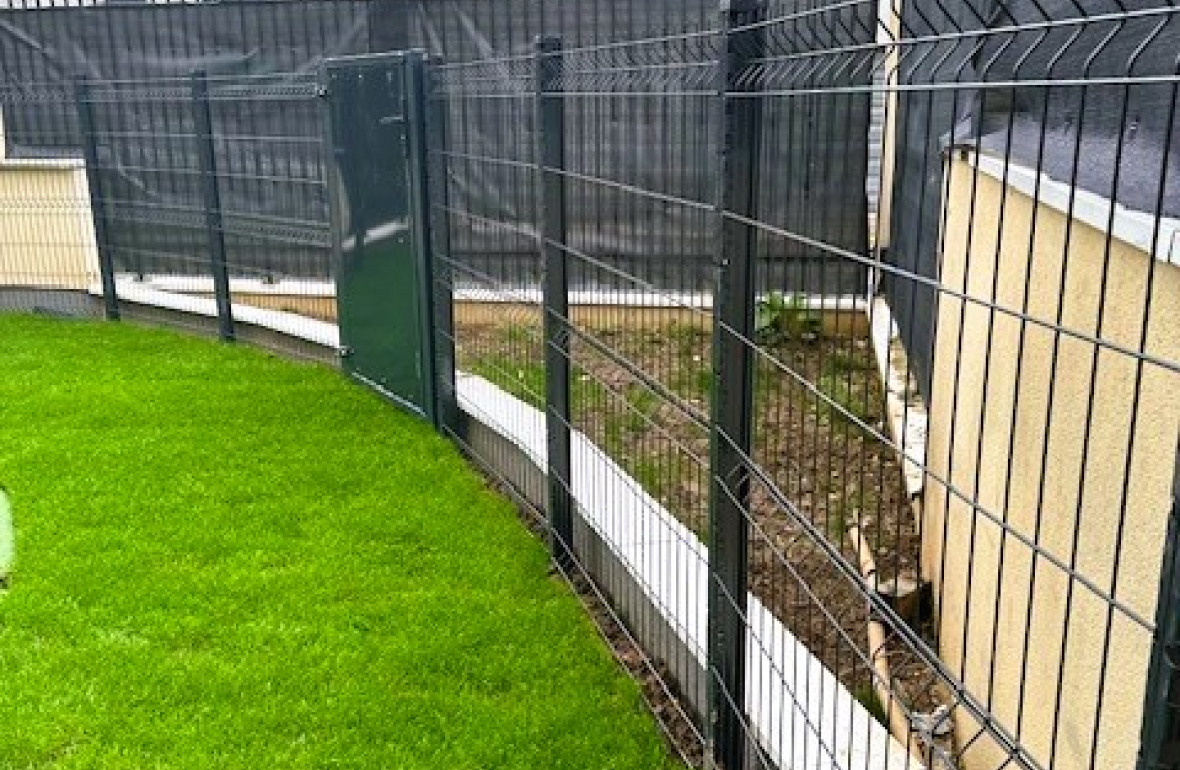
<point x="198" y="192"/>
<point x="871" y="512"/>
<point x="854" y="483"/>
<point x="267" y="168"/>
<point x="53" y="42"/>
<point x="48" y="251"/>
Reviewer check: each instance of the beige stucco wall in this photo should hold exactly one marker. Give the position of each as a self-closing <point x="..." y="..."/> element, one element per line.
<point x="976" y="392"/>
<point x="46" y="230"/>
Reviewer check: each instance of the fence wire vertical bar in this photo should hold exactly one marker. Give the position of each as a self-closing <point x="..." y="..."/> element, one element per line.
<point x="416" y="139"/>
<point x="731" y="430"/>
<point x="550" y="186"/>
<point x="215" y="233"/>
<point x="1160" y="749"/>
<point x="106" y="262"/>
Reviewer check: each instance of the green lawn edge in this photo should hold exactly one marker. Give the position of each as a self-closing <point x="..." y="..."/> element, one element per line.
<point x="226" y="559"/>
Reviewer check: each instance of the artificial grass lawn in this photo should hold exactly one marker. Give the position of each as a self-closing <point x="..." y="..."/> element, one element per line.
<point x="226" y="560"/>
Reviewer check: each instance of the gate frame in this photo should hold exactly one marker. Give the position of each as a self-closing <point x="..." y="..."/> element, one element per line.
<point x="415" y="111"/>
<point x="414" y="77"/>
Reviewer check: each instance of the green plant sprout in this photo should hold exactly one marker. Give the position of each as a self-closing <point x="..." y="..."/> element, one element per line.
<point x="780" y="318"/>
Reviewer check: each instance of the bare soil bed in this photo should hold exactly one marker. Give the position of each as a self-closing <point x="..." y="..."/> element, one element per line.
<point x="820" y="442"/>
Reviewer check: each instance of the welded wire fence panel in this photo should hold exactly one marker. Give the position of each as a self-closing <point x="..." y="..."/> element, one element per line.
<point x="272" y="173"/>
<point x="1044" y="82"/>
<point x="642" y="140"/>
<point x="478" y="30"/>
<point x="495" y="266"/>
<point x="815" y="146"/>
<point x="58" y="42"/>
<point x="990" y="447"/>
<point x="1050" y="327"/>
<point x="954" y="466"/>
<point x="260" y="60"/>
<point x="144" y="139"/>
<point x="492" y="266"/>
<point x="828" y="515"/>
<point x="640" y="251"/>
<point x="48" y="251"/>
<point x="490" y="34"/>
<point x="268" y="167"/>
<point x="206" y="192"/>
<point x="490" y="118"/>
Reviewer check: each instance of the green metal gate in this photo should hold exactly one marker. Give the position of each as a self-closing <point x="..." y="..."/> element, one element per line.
<point x="380" y="230"/>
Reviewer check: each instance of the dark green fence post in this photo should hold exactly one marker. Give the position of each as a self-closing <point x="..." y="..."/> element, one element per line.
<point x="417" y="138"/>
<point x="215" y="235"/>
<point x="732" y="405"/>
<point x="550" y="189"/>
<point x="83" y="97"/>
<point x="442" y="267"/>
<point x="333" y="158"/>
<point x="1160" y="748"/>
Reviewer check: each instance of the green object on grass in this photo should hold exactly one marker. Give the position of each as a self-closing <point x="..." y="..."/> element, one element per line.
<point x="229" y="560"/>
<point x="7" y="539"/>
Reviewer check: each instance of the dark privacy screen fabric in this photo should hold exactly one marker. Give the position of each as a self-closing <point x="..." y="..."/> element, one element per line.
<point x="981" y="69"/>
<point x="261" y="59"/>
<point x="52" y="47"/>
<point x="633" y="136"/>
<point x="992" y="56"/>
<point x="663" y="139"/>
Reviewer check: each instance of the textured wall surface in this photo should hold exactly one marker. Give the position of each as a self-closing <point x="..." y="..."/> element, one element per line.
<point x="48" y="239"/>
<point x="1069" y="443"/>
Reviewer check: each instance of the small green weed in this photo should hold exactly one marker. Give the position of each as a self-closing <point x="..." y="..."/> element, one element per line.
<point x="651" y="474"/>
<point x="642" y="404"/>
<point x="866" y="695"/>
<point x="781" y="318"/>
<point x="842" y="381"/>
<point x="694" y="382"/>
<point x="521" y="334"/>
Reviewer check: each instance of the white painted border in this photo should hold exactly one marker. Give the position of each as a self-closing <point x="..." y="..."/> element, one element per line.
<point x="527" y="295"/>
<point x="291" y="324"/>
<point x="45" y="164"/>
<point x="801" y="714"/>
<point x="286" y="287"/>
<point x="905" y="410"/>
